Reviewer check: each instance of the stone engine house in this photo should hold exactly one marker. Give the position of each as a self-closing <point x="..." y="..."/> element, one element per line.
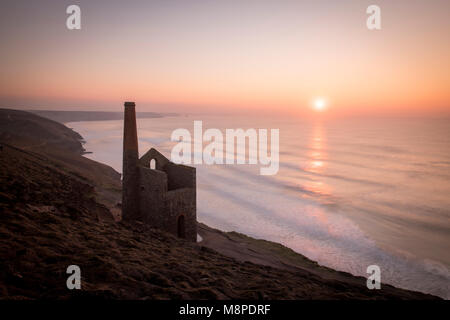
<point x="155" y="190"/>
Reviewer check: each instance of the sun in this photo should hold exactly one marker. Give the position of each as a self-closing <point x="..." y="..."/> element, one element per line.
<point x="320" y="104"/>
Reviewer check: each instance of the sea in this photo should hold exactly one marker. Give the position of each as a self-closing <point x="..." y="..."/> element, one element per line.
<point x="349" y="193"/>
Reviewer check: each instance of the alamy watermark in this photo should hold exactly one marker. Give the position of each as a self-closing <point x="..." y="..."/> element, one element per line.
<point x="190" y="150"/>
<point x="374" y="20"/>
<point x="73" y="21"/>
<point x="74" y="280"/>
<point x="374" y="280"/>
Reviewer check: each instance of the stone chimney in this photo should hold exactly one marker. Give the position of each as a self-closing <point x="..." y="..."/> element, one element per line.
<point x="130" y="173"/>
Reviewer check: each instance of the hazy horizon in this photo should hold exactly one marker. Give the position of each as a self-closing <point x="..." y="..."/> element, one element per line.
<point x="444" y="116"/>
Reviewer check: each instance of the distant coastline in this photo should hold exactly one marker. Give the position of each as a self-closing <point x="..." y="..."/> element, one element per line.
<point x="75" y="116"/>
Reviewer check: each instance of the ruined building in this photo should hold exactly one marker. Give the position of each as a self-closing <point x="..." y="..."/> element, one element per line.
<point x="155" y="190"/>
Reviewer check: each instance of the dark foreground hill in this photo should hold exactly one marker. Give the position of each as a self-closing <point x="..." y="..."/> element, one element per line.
<point x="59" y="209"/>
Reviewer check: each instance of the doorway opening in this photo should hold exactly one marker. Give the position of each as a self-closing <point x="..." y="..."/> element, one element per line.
<point x="181" y="232"/>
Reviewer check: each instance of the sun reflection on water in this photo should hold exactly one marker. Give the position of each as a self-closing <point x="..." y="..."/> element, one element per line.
<point x="317" y="161"/>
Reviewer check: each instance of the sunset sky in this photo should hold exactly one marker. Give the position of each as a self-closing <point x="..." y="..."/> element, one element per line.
<point x="226" y="56"/>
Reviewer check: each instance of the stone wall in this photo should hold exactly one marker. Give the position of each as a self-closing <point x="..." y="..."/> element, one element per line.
<point x="180" y="176"/>
<point x="161" y="161"/>
<point x="152" y="193"/>
<point x="161" y="208"/>
<point x="182" y="202"/>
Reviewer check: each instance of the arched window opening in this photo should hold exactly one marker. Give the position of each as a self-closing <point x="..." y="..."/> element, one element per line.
<point x="181" y="228"/>
<point x="153" y="164"/>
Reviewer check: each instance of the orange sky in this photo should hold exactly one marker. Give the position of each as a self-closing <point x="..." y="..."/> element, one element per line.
<point x="196" y="56"/>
